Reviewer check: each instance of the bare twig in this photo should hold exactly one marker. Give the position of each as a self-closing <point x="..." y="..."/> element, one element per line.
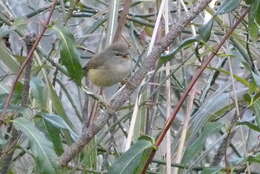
<point x="123" y="94"/>
<point x="28" y="59"/>
<point x="190" y="86"/>
<point x="10" y="147"/>
<point x="122" y="19"/>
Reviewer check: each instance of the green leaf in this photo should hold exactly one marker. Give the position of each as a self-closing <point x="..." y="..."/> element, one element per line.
<point x="2" y="141"/>
<point x="228" y="6"/>
<point x="250" y="125"/>
<point x="220" y="113"/>
<point x="205" y="31"/>
<point x="57" y="105"/>
<point x="211" y="170"/>
<point x="14" y="108"/>
<point x="256" y="77"/>
<point x="248" y="1"/>
<point x="218" y="103"/>
<point x="39" y="92"/>
<point x="69" y="55"/>
<point x="89" y="155"/>
<point x="239" y="79"/>
<point x="247" y="98"/>
<point x="41" y="147"/>
<point x="254" y="159"/>
<point x="54" y="135"/>
<point x="196" y="147"/>
<point x="172" y="53"/>
<point x="58" y="122"/>
<point x="133" y="161"/>
<point x="252" y="26"/>
<point x="256" y="106"/>
<point x="257" y="12"/>
<point x="7" y="58"/>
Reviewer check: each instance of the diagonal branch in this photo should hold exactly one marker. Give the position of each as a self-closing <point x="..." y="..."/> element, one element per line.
<point x="122" y="19"/>
<point x="121" y="97"/>
<point x="27" y="61"/>
<point x="190" y="86"/>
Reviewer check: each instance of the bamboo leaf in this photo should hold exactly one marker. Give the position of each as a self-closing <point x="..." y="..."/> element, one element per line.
<point x="172" y="53"/>
<point x="69" y="55"/>
<point x="41" y="147"/>
<point x="205" y="31"/>
<point x="39" y="92"/>
<point x="228" y="6"/>
<point x="58" y="122"/>
<point x="211" y="170"/>
<point x="249" y="125"/>
<point x="133" y="161"/>
<point x="7" y="58"/>
<point x="254" y="159"/>
<point x="196" y="147"/>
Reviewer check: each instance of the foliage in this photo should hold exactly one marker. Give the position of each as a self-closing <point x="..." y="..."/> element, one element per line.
<point x="52" y="107"/>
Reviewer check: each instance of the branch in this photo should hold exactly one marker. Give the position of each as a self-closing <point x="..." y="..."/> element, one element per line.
<point x="27" y="61"/>
<point x="15" y="134"/>
<point x="123" y="94"/>
<point x="190" y="86"/>
<point x="122" y="19"/>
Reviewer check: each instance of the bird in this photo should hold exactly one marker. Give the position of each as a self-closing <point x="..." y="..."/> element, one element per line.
<point x="110" y="66"/>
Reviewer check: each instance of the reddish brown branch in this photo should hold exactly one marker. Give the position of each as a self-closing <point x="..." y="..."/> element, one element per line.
<point x="122" y="19"/>
<point x="121" y="97"/>
<point x="28" y="59"/>
<point x="190" y="86"/>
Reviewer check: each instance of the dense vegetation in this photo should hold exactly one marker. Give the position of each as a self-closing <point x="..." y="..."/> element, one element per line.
<point x="190" y="105"/>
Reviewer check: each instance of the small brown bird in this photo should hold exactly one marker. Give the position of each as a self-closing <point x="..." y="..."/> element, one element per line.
<point x="110" y="66"/>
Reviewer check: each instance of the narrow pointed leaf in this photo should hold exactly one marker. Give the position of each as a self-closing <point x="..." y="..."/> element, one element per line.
<point x="252" y="26"/>
<point x="257" y="12"/>
<point x="7" y="58"/>
<point x="205" y="30"/>
<point x="57" y="105"/>
<point x="249" y="125"/>
<point x="41" y="147"/>
<point x="256" y="106"/>
<point x="256" y="77"/>
<point x="39" y="92"/>
<point x="254" y="159"/>
<point x="239" y="79"/>
<point x="168" y="57"/>
<point x="69" y="55"/>
<point x="196" y="147"/>
<point x="211" y="170"/>
<point x="58" y="122"/>
<point x="54" y="134"/>
<point x="133" y="161"/>
<point x="228" y="6"/>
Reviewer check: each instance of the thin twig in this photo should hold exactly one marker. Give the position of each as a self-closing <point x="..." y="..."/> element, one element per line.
<point x="190" y="86"/>
<point x="123" y="94"/>
<point x="122" y="19"/>
<point x="25" y="96"/>
<point x="26" y="62"/>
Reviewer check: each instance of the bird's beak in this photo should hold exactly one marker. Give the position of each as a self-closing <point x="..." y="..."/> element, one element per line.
<point x="125" y="56"/>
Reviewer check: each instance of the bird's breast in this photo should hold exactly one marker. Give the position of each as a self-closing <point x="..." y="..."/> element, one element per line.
<point x="108" y="76"/>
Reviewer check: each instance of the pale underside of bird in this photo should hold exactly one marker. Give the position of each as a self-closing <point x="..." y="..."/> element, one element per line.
<point x="110" y="66"/>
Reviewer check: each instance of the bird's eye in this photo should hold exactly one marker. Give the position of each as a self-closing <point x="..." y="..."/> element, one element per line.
<point x="118" y="54"/>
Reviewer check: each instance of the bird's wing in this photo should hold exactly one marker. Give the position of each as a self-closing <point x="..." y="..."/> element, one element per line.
<point x="95" y="62"/>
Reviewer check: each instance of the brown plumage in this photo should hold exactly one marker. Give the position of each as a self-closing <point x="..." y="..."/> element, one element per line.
<point x="109" y="66"/>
